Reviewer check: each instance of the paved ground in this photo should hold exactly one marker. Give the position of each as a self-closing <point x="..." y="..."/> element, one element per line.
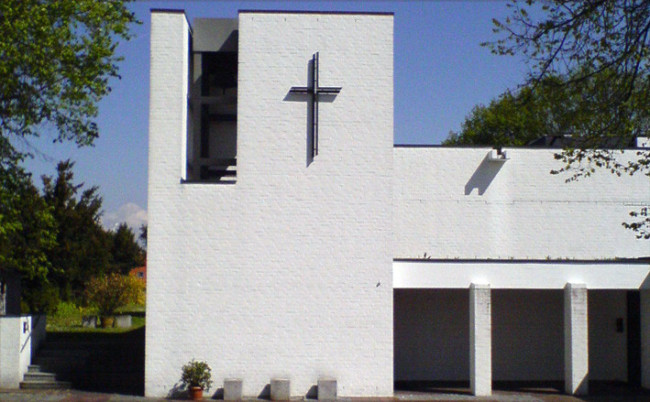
<point x="106" y="379"/>
<point x="405" y="391"/>
<point x="537" y="395"/>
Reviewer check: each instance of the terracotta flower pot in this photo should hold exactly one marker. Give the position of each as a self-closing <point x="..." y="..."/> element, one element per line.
<point x="107" y="322"/>
<point x="196" y="393"/>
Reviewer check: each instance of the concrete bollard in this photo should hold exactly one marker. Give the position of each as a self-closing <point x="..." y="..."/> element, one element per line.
<point x="232" y="389"/>
<point x="280" y="389"/>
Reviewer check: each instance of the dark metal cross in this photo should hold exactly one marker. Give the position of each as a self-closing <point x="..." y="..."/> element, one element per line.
<point x="314" y="91"/>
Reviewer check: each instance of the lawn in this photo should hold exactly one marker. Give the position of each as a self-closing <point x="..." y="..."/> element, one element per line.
<point x="68" y="318"/>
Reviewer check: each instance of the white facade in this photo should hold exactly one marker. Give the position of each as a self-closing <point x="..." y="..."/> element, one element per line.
<point x="288" y="272"/>
<point x="302" y="268"/>
<point x="461" y="219"/>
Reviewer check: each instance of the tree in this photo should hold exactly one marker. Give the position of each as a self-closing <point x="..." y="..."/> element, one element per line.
<point x="110" y="292"/>
<point x="56" y="59"/>
<point x="144" y="228"/>
<point x="82" y="246"/>
<point x="27" y="229"/>
<point x="601" y="51"/>
<point x="600" y="48"/>
<point x="126" y="253"/>
<point x="516" y="119"/>
<point x="547" y="108"/>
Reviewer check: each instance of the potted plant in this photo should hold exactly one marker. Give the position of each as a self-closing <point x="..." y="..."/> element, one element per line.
<point x="196" y="377"/>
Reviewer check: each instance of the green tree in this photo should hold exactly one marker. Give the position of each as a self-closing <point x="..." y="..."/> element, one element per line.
<point x="126" y="253"/>
<point x="56" y="60"/>
<point x="600" y="48"/>
<point x="516" y="119"/>
<point x="110" y="292"/>
<point x="548" y="108"/>
<point x="82" y="245"/>
<point x="601" y="51"/>
<point x="27" y="229"/>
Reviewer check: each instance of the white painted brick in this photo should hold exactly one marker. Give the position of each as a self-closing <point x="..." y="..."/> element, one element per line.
<point x="524" y="211"/>
<point x="287" y="273"/>
<point x="576" y="339"/>
<point x="480" y="340"/>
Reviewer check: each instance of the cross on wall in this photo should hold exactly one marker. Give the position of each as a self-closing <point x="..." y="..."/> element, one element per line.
<point x="314" y="91"/>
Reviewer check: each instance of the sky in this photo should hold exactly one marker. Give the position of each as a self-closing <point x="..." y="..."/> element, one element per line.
<point x="440" y="73"/>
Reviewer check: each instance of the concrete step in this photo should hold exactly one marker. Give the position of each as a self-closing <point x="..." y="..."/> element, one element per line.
<point x="65" y="369"/>
<point x="46" y="362"/>
<point x="39" y="376"/>
<point x="45" y="385"/>
<point x="33" y="368"/>
<point x="61" y="355"/>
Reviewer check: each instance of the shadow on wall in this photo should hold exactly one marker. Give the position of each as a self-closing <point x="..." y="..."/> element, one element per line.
<point x="178" y="391"/>
<point x="483" y="176"/>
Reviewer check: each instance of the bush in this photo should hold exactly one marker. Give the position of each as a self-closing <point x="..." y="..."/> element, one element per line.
<point x="39" y="298"/>
<point x="109" y="293"/>
<point x="67" y="314"/>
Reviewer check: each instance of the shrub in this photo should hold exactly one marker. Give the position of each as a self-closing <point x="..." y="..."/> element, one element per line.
<point x="109" y="293"/>
<point x="197" y="374"/>
<point x="67" y="314"/>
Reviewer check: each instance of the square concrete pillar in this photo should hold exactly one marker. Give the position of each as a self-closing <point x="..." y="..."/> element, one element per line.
<point x="232" y="389"/>
<point x="576" y="339"/>
<point x="480" y="339"/>
<point x="645" y="338"/>
<point x="280" y="389"/>
<point x="326" y="389"/>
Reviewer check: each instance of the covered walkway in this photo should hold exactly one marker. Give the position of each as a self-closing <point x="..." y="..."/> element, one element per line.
<point x="491" y="322"/>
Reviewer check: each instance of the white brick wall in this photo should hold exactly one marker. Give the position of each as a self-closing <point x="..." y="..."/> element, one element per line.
<point x="288" y="272"/>
<point x="451" y="204"/>
<point x="480" y="339"/>
<point x="576" y="339"/>
<point x="167" y="123"/>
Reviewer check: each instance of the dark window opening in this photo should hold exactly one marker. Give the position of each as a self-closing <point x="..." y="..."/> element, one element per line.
<point x="212" y="134"/>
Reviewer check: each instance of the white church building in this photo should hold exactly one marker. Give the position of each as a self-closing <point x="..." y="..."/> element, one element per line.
<point x="290" y="240"/>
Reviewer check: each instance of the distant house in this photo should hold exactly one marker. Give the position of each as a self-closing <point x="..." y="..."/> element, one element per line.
<point x="139" y="272"/>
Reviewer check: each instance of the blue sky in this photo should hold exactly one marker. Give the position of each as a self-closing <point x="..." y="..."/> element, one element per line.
<point x="441" y="72"/>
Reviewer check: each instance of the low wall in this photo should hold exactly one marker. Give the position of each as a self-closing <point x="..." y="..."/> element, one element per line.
<point x="20" y="337"/>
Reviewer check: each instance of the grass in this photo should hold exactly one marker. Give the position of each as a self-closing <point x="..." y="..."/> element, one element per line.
<point x="68" y="319"/>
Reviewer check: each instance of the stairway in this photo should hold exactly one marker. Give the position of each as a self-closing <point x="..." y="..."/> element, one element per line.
<point x="36" y="379"/>
<point x="57" y="365"/>
<point x="95" y="361"/>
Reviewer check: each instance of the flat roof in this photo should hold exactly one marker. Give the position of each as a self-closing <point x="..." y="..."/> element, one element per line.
<point x="167" y="10"/>
<point x="317" y="12"/>
<point x="513" y="147"/>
